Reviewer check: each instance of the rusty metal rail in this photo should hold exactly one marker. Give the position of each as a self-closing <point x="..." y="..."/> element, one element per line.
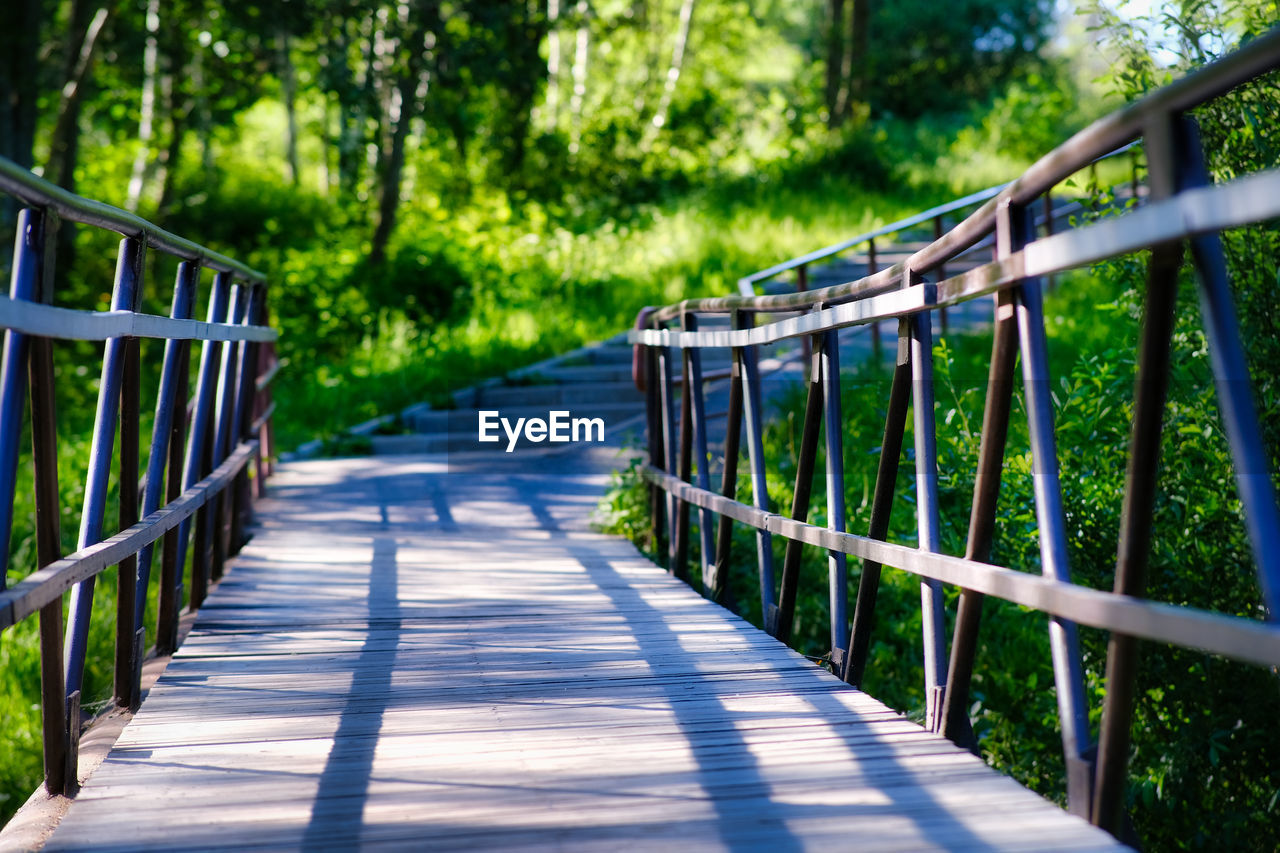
<point x="1182" y="209"/>
<point x="198" y="465"/>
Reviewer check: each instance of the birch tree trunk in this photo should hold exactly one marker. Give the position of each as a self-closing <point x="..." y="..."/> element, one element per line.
<point x="65" y="144"/>
<point x="673" y="72"/>
<point x="579" y="77"/>
<point x="552" y="104"/>
<point x="146" y="122"/>
<point x="289" y="89"/>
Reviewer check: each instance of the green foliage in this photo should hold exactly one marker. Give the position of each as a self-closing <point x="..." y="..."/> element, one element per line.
<point x="927" y="57"/>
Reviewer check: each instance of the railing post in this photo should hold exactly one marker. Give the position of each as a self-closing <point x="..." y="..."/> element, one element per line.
<point x="753" y="404"/>
<point x="781" y="625"/>
<point x="717" y="587"/>
<point x="130" y="638"/>
<point x="927" y="519"/>
<point x="881" y="507"/>
<point x="224" y="437"/>
<point x="32" y="279"/>
<point x="199" y="446"/>
<point x="657" y="454"/>
<point x="128" y="278"/>
<point x="680" y="550"/>
<point x="698" y="410"/>
<point x="1012" y="227"/>
<point x="170" y="410"/>
<point x="982" y="517"/>
<point x="13" y="374"/>
<point x="837" y="561"/>
<point x="241" y="500"/>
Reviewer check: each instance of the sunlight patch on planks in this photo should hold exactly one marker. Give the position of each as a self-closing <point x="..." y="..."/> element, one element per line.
<point x="412" y="659"/>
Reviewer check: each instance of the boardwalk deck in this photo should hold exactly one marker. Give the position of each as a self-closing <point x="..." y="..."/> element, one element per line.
<point x="417" y="655"/>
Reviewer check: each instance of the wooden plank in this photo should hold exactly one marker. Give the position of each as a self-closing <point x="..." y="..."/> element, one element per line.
<point x="369" y="676"/>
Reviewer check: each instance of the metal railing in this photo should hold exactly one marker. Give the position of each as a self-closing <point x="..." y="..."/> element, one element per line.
<point x="1182" y="208"/>
<point x="201" y="445"/>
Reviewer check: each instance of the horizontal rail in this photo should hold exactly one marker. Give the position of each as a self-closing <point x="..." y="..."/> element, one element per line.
<point x="885" y="230"/>
<point x="1199" y="211"/>
<point x="48" y="584"/>
<point x="50" y="321"/>
<point x="1229" y="636"/>
<point x="37" y="192"/>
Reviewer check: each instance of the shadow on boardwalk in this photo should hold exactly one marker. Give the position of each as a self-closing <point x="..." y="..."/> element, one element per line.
<point x="416" y="656"/>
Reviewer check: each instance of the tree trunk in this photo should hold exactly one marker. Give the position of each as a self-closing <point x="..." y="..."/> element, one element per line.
<point x="19" y="84"/>
<point x="402" y="109"/>
<point x="552" y="105"/>
<point x="146" y="122"/>
<point x="19" y="89"/>
<point x="673" y="71"/>
<point x="579" y="77"/>
<point x="65" y="144"/>
<point x="289" y="87"/>
<point x="392" y="172"/>
<point x="859" y="54"/>
<point x="835" y="61"/>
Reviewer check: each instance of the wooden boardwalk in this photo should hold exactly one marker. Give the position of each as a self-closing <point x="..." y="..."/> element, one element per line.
<point x="420" y="653"/>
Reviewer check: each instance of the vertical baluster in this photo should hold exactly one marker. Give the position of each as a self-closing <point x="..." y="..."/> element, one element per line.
<point x="927" y="519"/>
<point x="261" y="400"/>
<point x="170" y="592"/>
<point x="32" y="280"/>
<point x="199" y="447"/>
<point x="837" y="568"/>
<point x="781" y="627"/>
<point x="680" y="550"/>
<point x="698" y="410"/>
<point x="128" y="275"/>
<point x="224" y="437"/>
<point x="755" y="457"/>
<point x="1234" y="387"/>
<point x="656" y="417"/>
<point x="13" y="374"/>
<point x="717" y="588"/>
<point x="895" y="424"/>
<point x="170" y="408"/>
<point x="670" y="449"/>
<point x="129" y="639"/>
<point x="243" y="505"/>
<point x="982" y="516"/>
<point x="1063" y="641"/>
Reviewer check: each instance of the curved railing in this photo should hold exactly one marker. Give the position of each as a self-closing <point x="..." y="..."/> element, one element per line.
<point x="1181" y="207"/>
<point x="201" y="446"/>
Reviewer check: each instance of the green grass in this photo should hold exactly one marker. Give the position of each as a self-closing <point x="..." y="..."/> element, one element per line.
<point x="536" y="290"/>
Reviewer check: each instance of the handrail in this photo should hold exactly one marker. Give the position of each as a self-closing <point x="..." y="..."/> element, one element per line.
<point x="199" y="462"/>
<point x="933" y="214"/>
<point x="1183" y="207"/>
<point x="825" y="252"/>
<point x="37" y="192"/>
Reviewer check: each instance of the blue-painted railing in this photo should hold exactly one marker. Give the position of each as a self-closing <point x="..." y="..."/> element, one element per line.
<point x="199" y="460"/>
<point x="1181" y="208"/>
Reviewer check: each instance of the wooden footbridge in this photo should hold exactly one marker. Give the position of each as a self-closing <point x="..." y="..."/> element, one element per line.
<point x="433" y="649"/>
